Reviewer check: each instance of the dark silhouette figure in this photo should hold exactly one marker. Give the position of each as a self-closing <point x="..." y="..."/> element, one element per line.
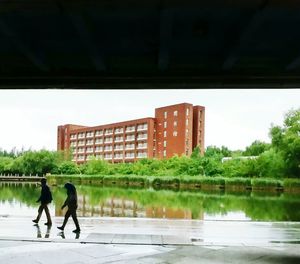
<point x="45" y="199"/>
<point x="71" y="202"/>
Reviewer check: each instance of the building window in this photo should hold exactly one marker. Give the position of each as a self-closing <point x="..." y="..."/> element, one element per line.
<point x="165" y="133"/>
<point x="165" y="124"/>
<point x="175" y="134"/>
<point x="176" y="113"/>
<point x="187" y="111"/>
<point x="187" y="132"/>
<point x="165" y="143"/>
<point x="175" y="124"/>
<point x="187" y="122"/>
<point x="165" y="153"/>
<point x="165" y="114"/>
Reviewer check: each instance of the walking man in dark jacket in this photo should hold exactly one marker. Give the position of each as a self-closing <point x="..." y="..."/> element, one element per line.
<point x="45" y="199"/>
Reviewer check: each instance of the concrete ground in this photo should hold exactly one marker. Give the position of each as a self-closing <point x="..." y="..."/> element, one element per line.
<point x="132" y="240"/>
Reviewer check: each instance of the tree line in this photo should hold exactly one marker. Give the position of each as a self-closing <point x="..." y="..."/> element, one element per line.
<point x="278" y="159"/>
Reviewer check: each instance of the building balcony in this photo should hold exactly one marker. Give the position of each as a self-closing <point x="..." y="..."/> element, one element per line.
<point x="89" y="150"/>
<point x="90" y="135"/>
<point x="118" y="157"/>
<point x="98" y="150"/>
<point x="107" y="158"/>
<point x="142" y="128"/>
<point x="129" y="157"/>
<point x="119" y="131"/>
<point x="99" y="142"/>
<point x="129" y="148"/>
<point x="108" y="141"/>
<point x="129" y="130"/>
<point x="89" y="143"/>
<point x="99" y="134"/>
<point x="81" y="144"/>
<point x="129" y="139"/>
<point x="141" y="147"/>
<point x="142" y="138"/>
<point x="108" y="133"/>
<point x="142" y="156"/>
<point x="107" y="150"/>
<point x="81" y="136"/>
<point x="119" y="140"/>
<point x="118" y="149"/>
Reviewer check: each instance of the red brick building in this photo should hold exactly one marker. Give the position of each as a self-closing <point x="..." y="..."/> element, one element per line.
<point x="175" y="129"/>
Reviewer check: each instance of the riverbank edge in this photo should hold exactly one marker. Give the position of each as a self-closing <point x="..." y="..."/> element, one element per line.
<point x="183" y="183"/>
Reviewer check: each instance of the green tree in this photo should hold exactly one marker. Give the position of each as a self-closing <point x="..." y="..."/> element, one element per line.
<point x="256" y="148"/>
<point x="124" y="168"/>
<point x="218" y="153"/>
<point x="196" y="153"/>
<point x="213" y="152"/>
<point x="286" y="141"/>
<point x="94" y="166"/>
<point x="37" y="162"/>
<point x="68" y="167"/>
<point x="270" y="164"/>
<point x="6" y="164"/>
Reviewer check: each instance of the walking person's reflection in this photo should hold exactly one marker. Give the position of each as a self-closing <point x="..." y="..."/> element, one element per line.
<point x="47" y="235"/>
<point x="71" y="202"/>
<point x="39" y="233"/>
<point x="62" y="235"/>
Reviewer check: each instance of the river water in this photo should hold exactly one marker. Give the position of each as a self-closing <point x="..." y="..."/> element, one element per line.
<point x="19" y="200"/>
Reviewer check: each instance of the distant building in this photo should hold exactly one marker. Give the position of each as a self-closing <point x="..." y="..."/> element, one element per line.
<point x="175" y="129"/>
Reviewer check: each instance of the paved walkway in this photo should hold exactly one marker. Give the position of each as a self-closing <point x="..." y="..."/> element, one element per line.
<point x="132" y="240"/>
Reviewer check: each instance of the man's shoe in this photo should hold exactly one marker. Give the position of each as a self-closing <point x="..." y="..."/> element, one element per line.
<point x="48" y="224"/>
<point x="76" y="231"/>
<point x="35" y="221"/>
<point x="60" y="228"/>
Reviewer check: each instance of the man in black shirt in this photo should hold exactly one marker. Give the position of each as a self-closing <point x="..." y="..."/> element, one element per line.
<point x="45" y="199"/>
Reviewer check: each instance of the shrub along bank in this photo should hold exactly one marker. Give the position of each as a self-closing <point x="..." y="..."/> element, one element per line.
<point x="182" y="182"/>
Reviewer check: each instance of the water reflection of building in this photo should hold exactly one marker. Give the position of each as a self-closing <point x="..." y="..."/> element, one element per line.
<point x="163" y="212"/>
<point x="122" y="207"/>
<point x="114" y="207"/>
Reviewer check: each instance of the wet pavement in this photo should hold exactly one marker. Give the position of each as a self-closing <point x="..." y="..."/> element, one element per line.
<point x="141" y="240"/>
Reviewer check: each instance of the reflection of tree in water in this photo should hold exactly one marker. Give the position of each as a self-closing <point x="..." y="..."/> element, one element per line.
<point x="24" y="192"/>
<point x="103" y="201"/>
<point x="267" y="207"/>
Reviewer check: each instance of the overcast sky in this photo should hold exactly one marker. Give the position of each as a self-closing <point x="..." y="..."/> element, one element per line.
<point x="234" y="118"/>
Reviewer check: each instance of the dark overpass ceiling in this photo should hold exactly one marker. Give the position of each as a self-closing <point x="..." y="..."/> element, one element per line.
<point x="149" y="44"/>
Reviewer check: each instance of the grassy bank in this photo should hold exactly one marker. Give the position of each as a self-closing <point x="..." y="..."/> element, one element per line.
<point x="183" y="182"/>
